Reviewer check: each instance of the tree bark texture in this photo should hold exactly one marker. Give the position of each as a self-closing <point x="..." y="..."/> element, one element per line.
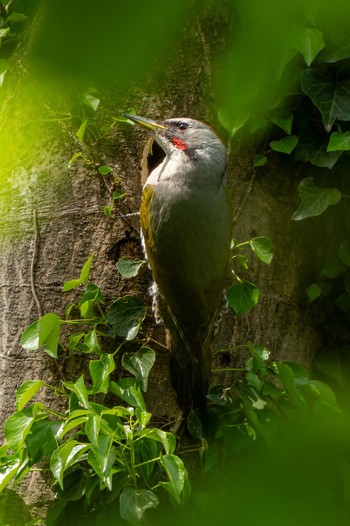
<point x="54" y="220"/>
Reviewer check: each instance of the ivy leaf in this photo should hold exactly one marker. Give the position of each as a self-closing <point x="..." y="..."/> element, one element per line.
<point x="285" y="145"/>
<point x="314" y="200"/>
<point x="90" y="100"/>
<point x="344" y="252"/>
<point x="125" y="317"/>
<point x="84" y="276"/>
<point x="101" y="458"/>
<point x="79" y="389"/>
<point x="332" y="267"/>
<point x="177" y="474"/>
<point x="134" y="503"/>
<point x="129" y="268"/>
<point x="232" y="124"/>
<point x="339" y="141"/>
<point x="128" y="390"/>
<point x="64" y="456"/>
<point x="44" y="332"/>
<point x="26" y="392"/>
<point x="105" y="170"/>
<point x="242" y="297"/>
<point x="167" y="439"/>
<point x="139" y="364"/>
<point x="100" y="371"/>
<point x="335" y="52"/>
<point x="313" y="291"/>
<point x="262" y="247"/>
<point x="81" y="131"/>
<point x="283" y="119"/>
<point x="330" y="96"/>
<point x="309" y="42"/>
<point x="17" y="427"/>
<point x="315" y="151"/>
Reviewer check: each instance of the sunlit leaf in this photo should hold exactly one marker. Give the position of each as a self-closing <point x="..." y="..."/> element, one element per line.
<point x="79" y="389"/>
<point x="263" y="248"/>
<point x="139" y="364"/>
<point x="26" y="392"/>
<point x="84" y="276"/>
<point x="314" y="200"/>
<point x="128" y="390"/>
<point x="134" y="503"/>
<point x="66" y="455"/>
<point x="90" y="100"/>
<point x="167" y="439"/>
<point x="242" y="297"/>
<point x="177" y="475"/>
<point x="285" y="145"/>
<point x="100" y="371"/>
<point x="330" y="95"/>
<point x="44" y="332"/>
<point x="105" y="170"/>
<point x="125" y="317"/>
<point x="339" y="141"/>
<point x="309" y="42"/>
<point x="81" y="131"/>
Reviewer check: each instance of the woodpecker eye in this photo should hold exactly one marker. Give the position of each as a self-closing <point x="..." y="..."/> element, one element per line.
<point x="182" y="125"/>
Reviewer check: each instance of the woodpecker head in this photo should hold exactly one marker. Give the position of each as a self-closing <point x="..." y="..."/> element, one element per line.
<point x="187" y="140"/>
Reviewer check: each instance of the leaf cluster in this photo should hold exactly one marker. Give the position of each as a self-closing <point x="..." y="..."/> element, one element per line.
<point x="105" y="459"/>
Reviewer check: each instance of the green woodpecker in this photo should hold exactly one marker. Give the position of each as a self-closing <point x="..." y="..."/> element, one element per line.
<point x="186" y="226"/>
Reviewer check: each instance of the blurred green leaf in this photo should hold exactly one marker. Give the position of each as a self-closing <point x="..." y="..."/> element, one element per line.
<point x="88" y="98"/>
<point x="81" y="131"/>
<point x="105" y="170"/>
<point x="242" y="297"/>
<point x="309" y="42"/>
<point x="314" y="200"/>
<point x="332" y="267"/>
<point x="313" y="291"/>
<point x="128" y="267"/>
<point x="125" y="317"/>
<point x="335" y="52"/>
<point x="139" y="364"/>
<point x="283" y="119"/>
<point x="344" y="252"/>
<point x="260" y="160"/>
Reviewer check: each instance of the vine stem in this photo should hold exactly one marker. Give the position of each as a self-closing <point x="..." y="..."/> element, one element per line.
<point x="33" y="261"/>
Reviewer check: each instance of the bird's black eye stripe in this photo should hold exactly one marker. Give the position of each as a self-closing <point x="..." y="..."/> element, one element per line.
<point x="182" y="125"/>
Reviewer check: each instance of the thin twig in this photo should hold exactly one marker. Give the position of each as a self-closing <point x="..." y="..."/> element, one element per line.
<point x="246" y="195"/>
<point x="32" y="264"/>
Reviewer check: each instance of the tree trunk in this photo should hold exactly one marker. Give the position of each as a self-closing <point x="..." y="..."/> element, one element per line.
<point x="52" y="219"/>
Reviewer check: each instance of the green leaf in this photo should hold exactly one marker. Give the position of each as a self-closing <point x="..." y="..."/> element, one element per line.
<point x="128" y="390"/>
<point x="313" y="291"/>
<point x="125" y="317"/>
<point x="107" y="210"/>
<point x="84" y="276"/>
<point x="101" y="458"/>
<point x="81" y="131"/>
<point x="4" y="32"/>
<point x="283" y="119"/>
<point x="232" y="123"/>
<point x="335" y="52"/>
<point x="309" y="42"/>
<point x="134" y="503"/>
<point x="139" y="364"/>
<point x="100" y="371"/>
<point x="332" y="267"/>
<point x="177" y="474"/>
<point x="65" y="456"/>
<point x="3" y="70"/>
<point x="79" y="389"/>
<point x="129" y="268"/>
<point x="41" y="441"/>
<point x="167" y="439"/>
<point x="285" y="145"/>
<point x="105" y="170"/>
<point x="242" y="297"/>
<point x="26" y="392"/>
<point x="118" y="193"/>
<point x="91" y="341"/>
<point x="92" y="428"/>
<point x="262" y="247"/>
<point x="9" y="470"/>
<point x="17" y="17"/>
<point x="285" y="374"/>
<point x="330" y="95"/>
<point x="314" y="200"/>
<point x="44" y="332"/>
<point x="18" y="425"/>
<point x="314" y="150"/>
<point x="242" y="260"/>
<point x="343" y="302"/>
<point x="344" y="252"/>
<point x="90" y="100"/>
<point x="260" y="160"/>
<point x="339" y="141"/>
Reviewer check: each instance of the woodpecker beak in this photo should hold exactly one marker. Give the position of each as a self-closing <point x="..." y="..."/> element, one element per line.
<point x="151" y="125"/>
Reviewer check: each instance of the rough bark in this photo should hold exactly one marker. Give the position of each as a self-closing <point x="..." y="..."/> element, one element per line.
<point x="54" y="220"/>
